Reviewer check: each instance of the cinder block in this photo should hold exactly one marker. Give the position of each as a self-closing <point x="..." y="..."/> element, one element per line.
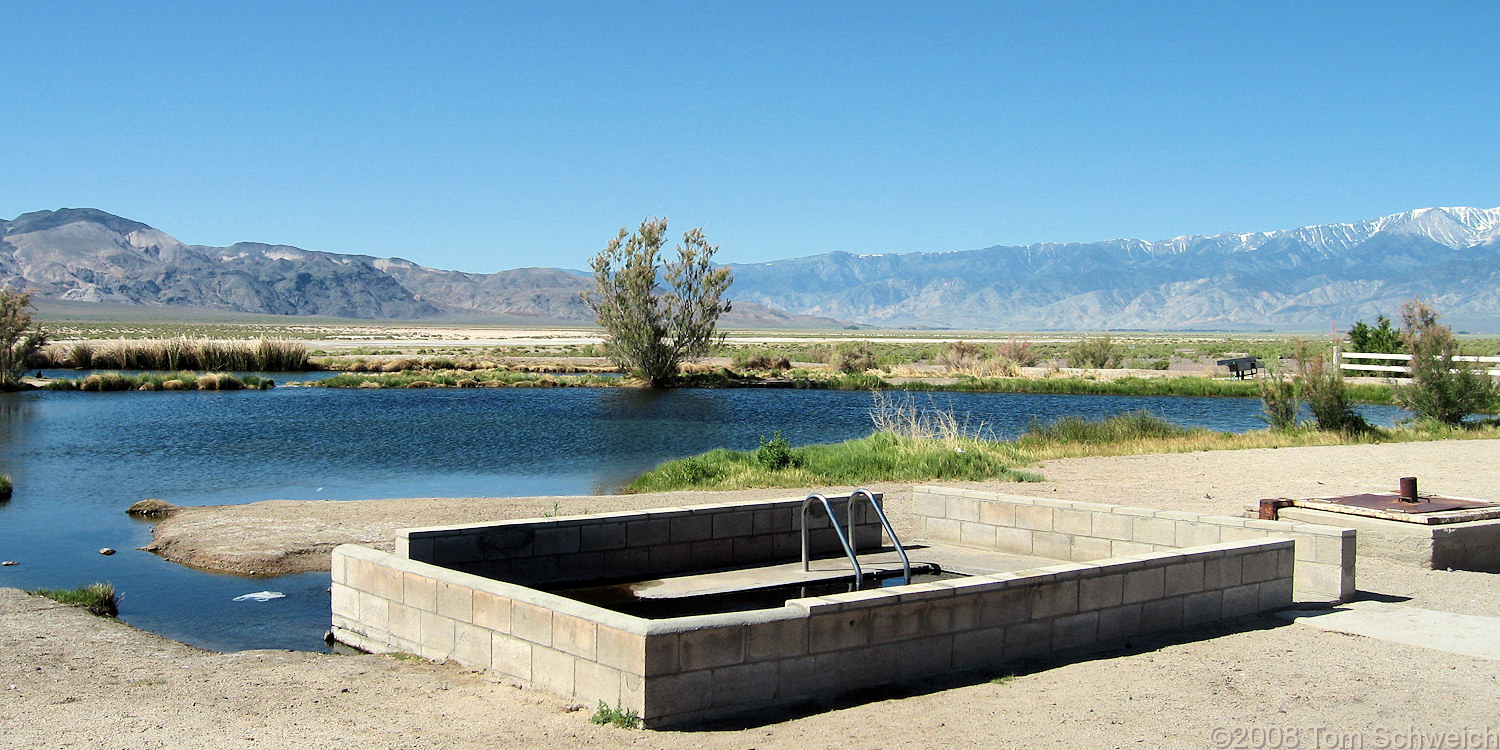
<point x="727" y="525"/>
<point x="901" y="622"/>
<point x="1086" y="548"/>
<point x="1079" y="522"/>
<point x="1027" y="639"/>
<point x="996" y="513"/>
<point x="1004" y="607"/>
<point x="743" y="684"/>
<point x="943" y="530"/>
<point x="928" y="504"/>
<point x="808" y="676"/>
<point x="1111" y="526"/>
<point x="778" y="639"/>
<point x="692" y="528"/>
<point x="1201" y="607"/>
<point x="1074" y="631"/>
<point x="837" y="631"/>
<point x="1050" y="544"/>
<point x="1012" y="540"/>
<point x="648" y="533"/>
<point x="1034" y="517"/>
<point x="753" y="548"/>
<point x="872" y="665"/>
<point x="556" y="540"/>
<point x="552" y="670"/>
<point x="1183" y="578"/>
<point x="1054" y="599"/>
<point x="974" y="534"/>
<point x="1118" y="548"/>
<point x="1275" y="594"/>
<point x="1157" y="531"/>
<point x="455" y="601"/>
<point x="712" y="647"/>
<point x="1258" y="566"/>
<point x="345" y="601"/>
<point x="574" y="635"/>
<point x="387" y="582"/>
<point x="471" y="645"/>
<point x="451" y="549"/>
<point x="491" y="612"/>
<point x="662" y="654"/>
<point x="622" y="650"/>
<point x="405" y="622"/>
<point x="1320" y="580"/>
<point x="419" y="591"/>
<point x="1328" y="549"/>
<point x="1241" y="600"/>
<point x="605" y="535"/>
<point x="1144" y="585"/>
<point x="1161" y="614"/>
<point x="963" y="509"/>
<point x="1195" y="534"/>
<point x="927" y="656"/>
<point x="773" y="520"/>
<point x="531" y="623"/>
<point x="374" y="611"/>
<point x="1100" y="592"/>
<point x="1119" y="622"/>
<point x="976" y="648"/>
<point x="437" y="636"/>
<point x="510" y="655"/>
<point x="1241" y="534"/>
<point x="596" y="682"/>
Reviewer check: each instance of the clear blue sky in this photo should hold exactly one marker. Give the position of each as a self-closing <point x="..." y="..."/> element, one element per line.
<point x="487" y="136"/>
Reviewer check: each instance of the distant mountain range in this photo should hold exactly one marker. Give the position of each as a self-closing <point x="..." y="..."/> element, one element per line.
<point x="1288" y="279"/>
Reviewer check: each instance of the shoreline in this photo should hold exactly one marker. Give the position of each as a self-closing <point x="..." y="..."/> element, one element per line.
<point x="276" y="537"/>
<point x="72" y="679"/>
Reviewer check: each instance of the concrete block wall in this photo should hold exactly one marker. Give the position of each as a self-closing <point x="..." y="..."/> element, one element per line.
<point x="384" y="602"/>
<point x="708" y="667"/>
<point x="1079" y="531"/>
<point x="689" y="669"/>
<point x="629" y="544"/>
<point x="1470" y="545"/>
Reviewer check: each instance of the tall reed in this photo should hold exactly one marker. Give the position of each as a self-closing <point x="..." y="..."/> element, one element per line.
<point x="263" y="355"/>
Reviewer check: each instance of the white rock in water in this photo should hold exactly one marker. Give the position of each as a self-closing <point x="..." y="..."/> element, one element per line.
<point x="259" y="596"/>
<point x="106" y="551"/>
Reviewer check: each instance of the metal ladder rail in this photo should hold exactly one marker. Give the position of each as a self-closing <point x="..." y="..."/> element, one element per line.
<point x="833" y="522"/>
<point x="895" y="541"/>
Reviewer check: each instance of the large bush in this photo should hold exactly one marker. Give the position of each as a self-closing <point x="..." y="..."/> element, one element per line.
<point x="17" y="344"/>
<point x="1441" y="388"/>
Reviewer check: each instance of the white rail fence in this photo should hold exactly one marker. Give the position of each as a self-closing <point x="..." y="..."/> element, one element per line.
<point x="1342" y="358"/>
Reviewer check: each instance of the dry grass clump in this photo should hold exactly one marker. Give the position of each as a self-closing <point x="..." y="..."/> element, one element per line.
<point x="265" y="355"/>
<point x="151" y="508"/>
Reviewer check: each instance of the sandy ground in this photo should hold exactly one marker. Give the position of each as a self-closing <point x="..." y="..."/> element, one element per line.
<point x="71" y="680"/>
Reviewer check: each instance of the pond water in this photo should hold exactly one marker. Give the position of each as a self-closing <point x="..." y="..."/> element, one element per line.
<point x="79" y="459"/>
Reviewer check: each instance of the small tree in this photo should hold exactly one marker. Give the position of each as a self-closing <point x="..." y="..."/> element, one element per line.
<point x="17" y="344"/>
<point x="655" y="315"/>
<point x="1441" y="388"/>
<point x="1380" y="338"/>
<point x="1278" y="397"/>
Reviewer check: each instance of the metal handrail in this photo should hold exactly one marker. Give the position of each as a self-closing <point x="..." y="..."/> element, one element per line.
<point x="833" y="522"/>
<point x="905" y="562"/>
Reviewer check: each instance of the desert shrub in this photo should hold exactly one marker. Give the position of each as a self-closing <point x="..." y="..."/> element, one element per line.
<point x="853" y="357"/>
<point x="6" y="488"/>
<point x="760" y="360"/>
<point x="1019" y="351"/>
<point x="106" y="381"/>
<point x="1099" y="353"/>
<point x="775" y="453"/>
<point x="1278" y="396"/>
<point x="1441" y="388"/>
<point x="960" y="356"/>
<point x="1322" y="386"/>
<point x="1134" y="425"/>
<point x="623" y="718"/>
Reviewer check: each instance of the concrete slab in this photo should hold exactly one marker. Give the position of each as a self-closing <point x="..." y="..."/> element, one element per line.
<point x="1470" y="635"/>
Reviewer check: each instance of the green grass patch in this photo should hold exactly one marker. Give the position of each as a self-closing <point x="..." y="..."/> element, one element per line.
<point x="159" y="381"/>
<point x="892" y="457"/>
<point x="462" y="379"/>
<point x="97" y="598"/>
